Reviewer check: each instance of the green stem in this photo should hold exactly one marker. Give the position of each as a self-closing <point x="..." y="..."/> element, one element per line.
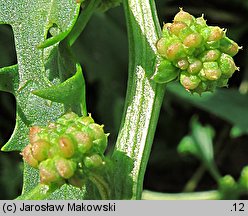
<point x="215" y="172"/>
<point x="144" y="97"/>
<point x="83" y="19"/>
<point x="194" y="180"/>
<point x="208" y="195"/>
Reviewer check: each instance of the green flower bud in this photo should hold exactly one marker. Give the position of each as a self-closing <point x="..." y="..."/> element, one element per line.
<point x="77" y="181"/>
<point x="175" y="51"/>
<point x="205" y="32"/>
<point x="211" y="70"/>
<point x="40" y="150"/>
<point x="100" y="144"/>
<point x="48" y="172"/>
<point x="86" y="120"/>
<point x="72" y="129"/>
<point x="189" y="81"/>
<point x="210" y="55"/>
<point x="33" y="133"/>
<point x="202" y="75"/>
<point x="212" y="45"/>
<point x="215" y="34"/>
<point x="193" y="40"/>
<point x="228" y="187"/>
<point x="195" y="66"/>
<point x="243" y="180"/>
<point x="67" y="118"/>
<point x="99" y="136"/>
<point x="66" y="146"/>
<point x="84" y="140"/>
<point x="185" y="17"/>
<point x="97" y="131"/>
<point x="166" y="26"/>
<point x="66" y="150"/>
<point x="65" y="168"/>
<point x="212" y="33"/>
<point x="161" y="47"/>
<point x="183" y="64"/>
<point x="93" y="161"/>
<point x="227" y="181"/>
<point x="227" y="65"/>
<point x="176" y="27"/>
<point x="196" y="50"/>
<point x="184" y="33"/>
<point x="165" y="30"/>
<point x="53" y="140"/>
<point x="200" y="23"/>
<point x="165" y="72"/>
<point x="228" y="46"/>
<point x="28" y="156"/>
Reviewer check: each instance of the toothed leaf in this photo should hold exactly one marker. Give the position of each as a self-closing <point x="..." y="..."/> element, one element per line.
<point x="70" y="91"/>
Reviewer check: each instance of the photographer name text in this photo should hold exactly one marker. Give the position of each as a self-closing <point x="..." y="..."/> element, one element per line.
<point x="70" y="207"/>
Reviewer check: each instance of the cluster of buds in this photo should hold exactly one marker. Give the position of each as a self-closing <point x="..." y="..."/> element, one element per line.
<point x="66" y="151"/>
<point x="200" y="55"/>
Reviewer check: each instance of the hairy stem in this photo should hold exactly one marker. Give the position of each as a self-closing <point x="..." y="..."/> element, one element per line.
<point x="144" y="97"/>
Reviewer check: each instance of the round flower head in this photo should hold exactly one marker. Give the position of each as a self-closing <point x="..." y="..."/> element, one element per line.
<point x="67" y="150"/>
<point x="198" y="54"/>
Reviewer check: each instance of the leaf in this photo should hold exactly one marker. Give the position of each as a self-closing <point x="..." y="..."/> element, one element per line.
<point x="165" y="72"/>
<point x="121" y="176"/>
<point x="202" y="137"/>
<point x="227" y="104"/>
<point x="64" y="26"/>
<point x="188" y="146"/>
<point x="30" y="23"/>
<point x="63" y="14"/>
<point x="9" y="79"/>
<point x="68" y="192"/>
<point x="70" y="91"/>
<point x="199" y="143"/>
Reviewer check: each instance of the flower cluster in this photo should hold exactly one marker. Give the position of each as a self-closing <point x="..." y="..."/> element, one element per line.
<point x="200" y="55"/>
<point x="67" y="150"/>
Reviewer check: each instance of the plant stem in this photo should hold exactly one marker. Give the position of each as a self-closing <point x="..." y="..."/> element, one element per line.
<point x="144" y="97"/>
<point x="194" y="180"/>
<point x="83" y="19"/>
<point x="208" y="195"/>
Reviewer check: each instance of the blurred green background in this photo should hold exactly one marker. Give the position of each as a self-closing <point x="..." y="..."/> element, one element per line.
<point x="102" y="49"/>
